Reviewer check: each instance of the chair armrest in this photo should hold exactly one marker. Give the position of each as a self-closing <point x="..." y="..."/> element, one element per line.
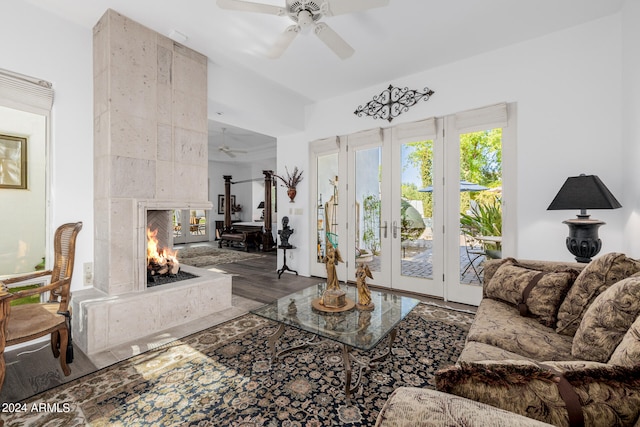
<point x="25" y="277"/>
<point x="63" y="284"/>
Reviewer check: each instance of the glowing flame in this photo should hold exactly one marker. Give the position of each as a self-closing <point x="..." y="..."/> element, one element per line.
<point x="162" y="257"/>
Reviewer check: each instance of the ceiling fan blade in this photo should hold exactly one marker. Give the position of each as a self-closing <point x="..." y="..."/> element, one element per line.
<point x="333" y="41"/>
<point x="247" y="6"/>
<point x="283" y="42"/>
<point x="340" y="7"/>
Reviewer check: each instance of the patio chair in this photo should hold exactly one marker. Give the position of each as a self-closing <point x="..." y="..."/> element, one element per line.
<point x="475" y="251"/>
<point x="26" y="322"/>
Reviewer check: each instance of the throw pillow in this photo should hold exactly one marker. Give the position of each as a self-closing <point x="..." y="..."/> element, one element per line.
<point x="540" y="292"/>
<point x="628" y="351"/>
<point x="608" y="395"/>
<point x="607" y="320"/>
<point x="597" y="276"/>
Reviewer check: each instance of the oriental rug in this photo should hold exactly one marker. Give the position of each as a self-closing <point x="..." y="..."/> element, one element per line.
<point x="223" y="376"/>
<point x="204" y="256"/>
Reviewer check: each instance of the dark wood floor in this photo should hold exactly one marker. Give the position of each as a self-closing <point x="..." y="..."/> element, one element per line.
<point x="256" y="279"/>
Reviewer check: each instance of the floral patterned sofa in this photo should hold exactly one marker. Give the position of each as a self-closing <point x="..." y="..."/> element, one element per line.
<point x="554" y="342"/>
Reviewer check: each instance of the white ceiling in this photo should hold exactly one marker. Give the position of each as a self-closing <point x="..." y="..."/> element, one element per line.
<point x="260" y="149"/>
<point x="403" y="38"/>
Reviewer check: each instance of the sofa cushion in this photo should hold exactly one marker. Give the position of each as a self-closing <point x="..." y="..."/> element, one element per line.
<point x="539" y="293"/>
<point x="500" y="325"/>
<point x="597" y="276"/>
<point x="475" y="351"/>
<point x="607" y="320"/>
<point x="628" y="351"/>
<point x="414" y="407"/>
<point x="608" y="395"/>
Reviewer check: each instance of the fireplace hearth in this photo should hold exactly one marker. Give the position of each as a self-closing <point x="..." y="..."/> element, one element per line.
<point x="164" y="279"/>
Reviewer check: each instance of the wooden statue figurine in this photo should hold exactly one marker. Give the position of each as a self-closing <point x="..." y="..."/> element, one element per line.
<point x="333" y="297"/>
<point x="331" y="260"/>
<point x="364" y="294"/>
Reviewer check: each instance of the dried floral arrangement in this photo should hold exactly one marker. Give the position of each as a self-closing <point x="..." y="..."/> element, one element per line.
<point x="293" y="179"/>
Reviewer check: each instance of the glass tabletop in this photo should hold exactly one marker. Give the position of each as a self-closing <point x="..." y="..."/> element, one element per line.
<point x="356" y="328"/>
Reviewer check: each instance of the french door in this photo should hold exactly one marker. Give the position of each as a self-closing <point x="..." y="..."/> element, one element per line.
<point x="190" y="226"/>
<point x="392" y="198"/>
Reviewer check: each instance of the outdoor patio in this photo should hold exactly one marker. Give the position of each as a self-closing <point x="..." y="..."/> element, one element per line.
<point x="416" y="262"/>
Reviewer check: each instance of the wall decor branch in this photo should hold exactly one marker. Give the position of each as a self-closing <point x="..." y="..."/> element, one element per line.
<point x="392" y="102"/>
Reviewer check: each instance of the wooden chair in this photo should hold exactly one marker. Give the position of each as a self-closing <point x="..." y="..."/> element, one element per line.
<point x="27" y="322"/>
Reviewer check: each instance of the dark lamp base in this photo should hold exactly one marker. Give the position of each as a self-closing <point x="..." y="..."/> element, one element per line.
<point x="583" y="241"/>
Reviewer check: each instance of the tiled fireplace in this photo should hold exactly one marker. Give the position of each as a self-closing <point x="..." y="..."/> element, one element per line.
<point x="150" y="157"/>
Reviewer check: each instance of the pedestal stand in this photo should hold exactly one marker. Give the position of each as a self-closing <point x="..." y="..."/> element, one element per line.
<point x="285" y="267"/>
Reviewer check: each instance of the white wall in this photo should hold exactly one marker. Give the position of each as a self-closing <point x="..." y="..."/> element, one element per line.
<point x="42" y="45"/>
<point x="631" y="124"/>
<point x="568" y="90"/>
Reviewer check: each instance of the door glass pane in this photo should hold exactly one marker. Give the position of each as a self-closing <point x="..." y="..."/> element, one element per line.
<point x="368" y="173"/>
<point x="327" y="210"/>
<point x="177" y="225"/>
<point x="197" y="222"/>
<point x="480" y="202"/>
<point x="416" y="209"/>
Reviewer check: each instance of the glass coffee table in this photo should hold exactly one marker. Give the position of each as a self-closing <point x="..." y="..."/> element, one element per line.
<point x="354" y="328"/>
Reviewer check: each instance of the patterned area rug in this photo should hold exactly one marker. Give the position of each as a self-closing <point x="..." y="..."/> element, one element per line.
<point x="203" y="256"/>
<point x="223" y="377"/>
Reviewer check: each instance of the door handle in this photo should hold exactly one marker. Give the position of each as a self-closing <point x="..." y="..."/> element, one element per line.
<point x="395" y="229"/>
<point x="385" y="229"/>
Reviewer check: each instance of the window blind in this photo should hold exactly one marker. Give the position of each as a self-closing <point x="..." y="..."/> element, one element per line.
<point x="24" y="92"/>
<point x="492" y="116"/>
<point x="413" y="130"/>
<point x="374" y="134"/>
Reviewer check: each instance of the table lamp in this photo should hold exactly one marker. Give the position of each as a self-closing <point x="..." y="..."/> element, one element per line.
<point x="261" y="206"/>
<point x="584" y="192"/>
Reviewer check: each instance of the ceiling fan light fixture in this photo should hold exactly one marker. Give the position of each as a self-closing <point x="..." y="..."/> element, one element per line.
<point x="308" y="14"/>
<point x="305" y="19"/>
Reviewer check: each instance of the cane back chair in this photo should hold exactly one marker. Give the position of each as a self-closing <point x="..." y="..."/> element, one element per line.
<point x="22" y="323"/>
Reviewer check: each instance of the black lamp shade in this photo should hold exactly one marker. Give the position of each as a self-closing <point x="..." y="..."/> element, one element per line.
<point x="261" y="205"/>
<point x="584" y="192"/>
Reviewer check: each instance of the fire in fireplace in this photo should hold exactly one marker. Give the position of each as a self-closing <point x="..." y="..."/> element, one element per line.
<point x="160" y="261"/>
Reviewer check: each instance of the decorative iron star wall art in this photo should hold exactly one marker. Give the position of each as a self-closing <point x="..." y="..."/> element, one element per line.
<point x="392" y="102"/>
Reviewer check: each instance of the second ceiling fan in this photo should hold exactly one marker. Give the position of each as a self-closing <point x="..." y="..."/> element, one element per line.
<point x="306" y="14"/>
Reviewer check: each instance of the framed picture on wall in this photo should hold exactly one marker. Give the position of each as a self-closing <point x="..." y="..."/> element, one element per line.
<point x="13" y="162"/>
<point x="221" y="202"/>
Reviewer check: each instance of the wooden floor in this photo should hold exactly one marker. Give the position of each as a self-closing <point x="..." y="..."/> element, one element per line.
<point x="256" y="279"/>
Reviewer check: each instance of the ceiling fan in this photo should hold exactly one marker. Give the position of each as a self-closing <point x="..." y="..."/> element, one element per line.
<point x="228" y="150"/>
<point x="306" y="14"/>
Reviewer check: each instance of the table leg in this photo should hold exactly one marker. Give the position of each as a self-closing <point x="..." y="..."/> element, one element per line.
<point x="285" y="267"/>
<point x="347" y="357"/>
<point x="273" y="340"/>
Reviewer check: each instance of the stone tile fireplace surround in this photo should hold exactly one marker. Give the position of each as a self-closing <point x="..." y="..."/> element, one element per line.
<point x="150" y="154"/>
